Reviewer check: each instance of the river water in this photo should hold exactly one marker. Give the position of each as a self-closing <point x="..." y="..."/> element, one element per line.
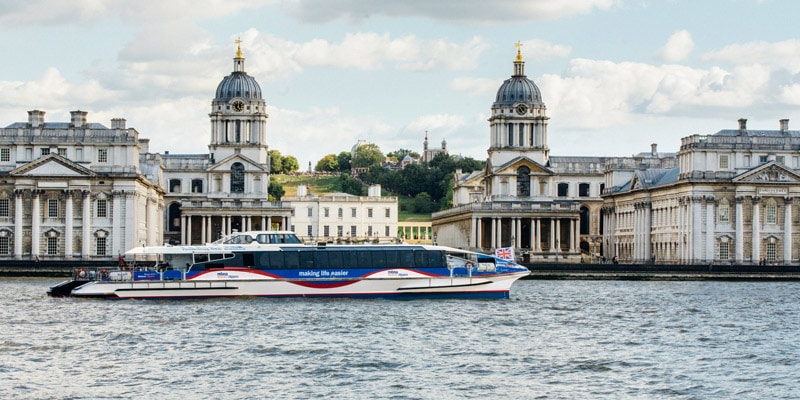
<point x="551" y="340"/>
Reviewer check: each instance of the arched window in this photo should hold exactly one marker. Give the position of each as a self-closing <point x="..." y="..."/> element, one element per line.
<point x="237" y="178"/>
<point x="197" y="186"/>
<point x="584" y="221"/>
<point x="174" y="217"/>
<point x="523" y="182"/>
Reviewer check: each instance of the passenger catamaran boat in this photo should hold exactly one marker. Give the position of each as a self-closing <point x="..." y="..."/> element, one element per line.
<point x="278" y="264"/>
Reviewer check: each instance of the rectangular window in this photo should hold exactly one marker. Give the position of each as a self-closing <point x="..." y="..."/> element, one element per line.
<point x="310" y="230"/>
<point x="771" y="216"/>
<point x="4" y="208"/>
<point x="326" y="231"/>
<point x="723" y="162"/>
<point x="724" y="251"/>
<point x="388" y="212"/>
<point x="52" y="245"/>
<point x="386" y="231"/>
<point x="352" y="230"/>
<point x="724" y="213"/>
<point x="746" y="161"/>
<point x="102" y="155"/>
<point x="102" y="208"/>
<point x="62" y="152"/>
<point x="5" y="245"/>
<point x="339" y="231"/>
<point x="45" y="151"/>
<point x="5" y="155"/>
<point x="52" y="208"/>
<point x="369" y="230"/>
<point x="340" y="213"/>
<point x="327" y="212"/>
<point x="310" y="211"/>
<point x="781" y="159"/>
<point x="369" y="213"/>
<point x="353" y="212"/>
<point x="762" y="159"/>
<point x="772" y="253"/>
<point x="100" y="244"/>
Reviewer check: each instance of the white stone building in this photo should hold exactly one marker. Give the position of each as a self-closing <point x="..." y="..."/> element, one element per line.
<point x="547" y="207"/>
<point x="338" y="217"/>
<point x="214" y="194"/>
<point x="731" y="198"/>
<point x="75" y="190"/>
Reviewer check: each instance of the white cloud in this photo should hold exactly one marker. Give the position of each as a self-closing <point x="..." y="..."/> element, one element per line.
<point x="480" y="11"/>
<point x="599" y="94"/>
<point x="678" y="47"/>
<point x="482" y="87"/>
<point x="537" y="49"/>
<point x="784" y="54"/>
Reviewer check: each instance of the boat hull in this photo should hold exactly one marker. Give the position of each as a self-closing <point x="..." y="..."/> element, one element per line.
<point x="488" y="286"/>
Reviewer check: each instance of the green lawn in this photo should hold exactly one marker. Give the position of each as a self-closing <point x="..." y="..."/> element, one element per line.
<point x="323" y="184"/>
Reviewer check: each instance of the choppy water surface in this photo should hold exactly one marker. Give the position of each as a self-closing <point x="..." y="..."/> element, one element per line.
<point x="552" y="339"/>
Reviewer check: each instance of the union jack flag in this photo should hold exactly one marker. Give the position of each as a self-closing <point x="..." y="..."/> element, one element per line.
<point x="506" y="253"/>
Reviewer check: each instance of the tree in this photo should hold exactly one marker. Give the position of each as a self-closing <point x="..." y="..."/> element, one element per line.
<point x="351" y="185"/>
<point x="275" y="191"/>
<point x="329" y="163"/>
<point x="344" y="161"/>
<point x="289" y="164"/>
<point x="398" y="155"/>
<point x="275" y="162"/>
<point x="423" y="203"/>
<point x="367" y="155"/>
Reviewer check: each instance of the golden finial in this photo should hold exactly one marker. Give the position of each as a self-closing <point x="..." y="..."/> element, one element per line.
<point x="518" y="45"/>
<point x="238" y="48"/>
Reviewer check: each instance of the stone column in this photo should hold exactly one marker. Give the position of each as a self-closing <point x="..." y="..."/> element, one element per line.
<point x="68" y="224"/>
<point x="538" y="241"/>
<point x="710" y="223"/>
<point x="739" y="252"/>
<point x="203" y="238"/>
<point x="36" y="221"/>
<point x="189" y="229"/>
<point x="116" y="223"/>
<point x="183" y="229"/>
<point x="697" y="225"/>
<point x="787" y="231"/>
<point x="472" y="232"/>
<point x="86" y="224"/>
<point x="493" y="242"/>
<point x="756" y="257"/>
<point x="479" y="235"/>
<point x="18" y="235"/>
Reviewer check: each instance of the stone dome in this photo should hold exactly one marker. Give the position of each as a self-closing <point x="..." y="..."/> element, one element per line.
<point x="518" y="88"/>
<point x="238" y="85"/>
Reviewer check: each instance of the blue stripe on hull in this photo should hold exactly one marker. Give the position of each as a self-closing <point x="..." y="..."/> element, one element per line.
<point x="386" y="296"/>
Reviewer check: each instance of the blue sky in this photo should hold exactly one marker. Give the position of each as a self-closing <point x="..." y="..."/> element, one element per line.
<point x="615" y="75"/>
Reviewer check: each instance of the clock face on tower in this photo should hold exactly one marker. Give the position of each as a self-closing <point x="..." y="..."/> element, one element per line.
<point x="522" y="109"/>
<point x="238" y="106"/>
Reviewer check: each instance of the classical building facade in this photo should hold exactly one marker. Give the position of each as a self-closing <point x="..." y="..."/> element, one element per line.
<point x="337" y="217"/>
<point x="730" y="198"/>
<point x="211" y="195"/>
<point x="546" y="207"/>
<point x="76" y="190"/>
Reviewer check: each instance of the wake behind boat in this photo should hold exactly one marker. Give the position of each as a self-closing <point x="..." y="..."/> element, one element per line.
<point x="278" y="264"/>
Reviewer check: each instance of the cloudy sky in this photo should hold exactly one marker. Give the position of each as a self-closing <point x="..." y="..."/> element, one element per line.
<point x="615" y="75"/>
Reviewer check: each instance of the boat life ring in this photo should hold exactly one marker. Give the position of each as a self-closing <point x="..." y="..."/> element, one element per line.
<point x="104" y="274"/>
<point x="81" y="273"/>
<point x="469" y="265"/>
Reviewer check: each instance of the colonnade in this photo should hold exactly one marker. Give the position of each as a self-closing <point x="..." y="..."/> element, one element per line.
<point x="224" y="224"/>
<point x="535" y="233"/>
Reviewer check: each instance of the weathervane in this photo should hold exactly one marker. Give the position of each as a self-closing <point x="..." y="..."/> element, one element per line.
<point x="238" y="41"/>
<point x="518" y="45"/>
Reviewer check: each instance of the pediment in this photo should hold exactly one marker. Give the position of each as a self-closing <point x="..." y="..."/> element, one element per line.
<point x="225" y="164"/>
<point x="52" y="165"/>
<point x="511" y="167"/>
<point x="771" y="172"/>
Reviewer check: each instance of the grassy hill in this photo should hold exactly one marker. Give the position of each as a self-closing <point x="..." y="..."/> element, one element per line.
<point x="323" y="184"/>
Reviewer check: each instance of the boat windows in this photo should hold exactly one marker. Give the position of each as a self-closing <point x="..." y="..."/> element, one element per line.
<point x="306" y="259"/>
<point x="335" y="259"/>
<point x="248" y="260"/>
<point x="291" y="260"/>
<point x="321" y="260"/>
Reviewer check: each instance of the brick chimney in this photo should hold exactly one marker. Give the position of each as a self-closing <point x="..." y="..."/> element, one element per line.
<point x="78" y="118"/>
<point x="784" y="125"/>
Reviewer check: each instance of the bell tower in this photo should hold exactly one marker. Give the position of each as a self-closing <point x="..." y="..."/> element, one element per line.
<point x="239" y="116"/>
